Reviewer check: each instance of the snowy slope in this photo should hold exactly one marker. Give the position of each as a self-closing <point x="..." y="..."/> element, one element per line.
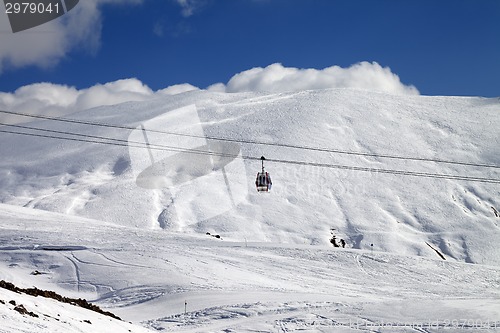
<point x="395" y="213"/>
<point x="189" y="283"/>
<point x="125" y="227"/>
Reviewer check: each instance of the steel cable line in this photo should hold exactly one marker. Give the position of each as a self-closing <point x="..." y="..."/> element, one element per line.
<point x="327" y="150"/>
<point x="114" y="141"/>
<point x="124" y="143"/>
<point x="389" y="171"/>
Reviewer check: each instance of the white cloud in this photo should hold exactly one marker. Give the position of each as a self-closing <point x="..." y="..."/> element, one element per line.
<point x="42" y="46"/>
<point x="217" y="87"/>
<point x="58" y="100"/>
<point x="177" y="89"/>
<point x="39" y="98"/>
<point x="277" y="78"/>
<point x="46" y="45"/>
<point x="112" y="93"/>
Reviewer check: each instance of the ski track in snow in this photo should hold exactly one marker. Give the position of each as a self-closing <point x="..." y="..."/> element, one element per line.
<point x="99" y="236"/>
<point x="237" y="287"/>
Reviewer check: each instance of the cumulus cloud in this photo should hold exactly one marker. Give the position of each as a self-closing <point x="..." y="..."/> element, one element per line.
<point x="177" y="89"/>
<point x="277" y="78"/>
<point x="39" y="98"/>
<point x="46" y="45"/>
<point x="58" y="100"/>
<point x="112" y="93"/>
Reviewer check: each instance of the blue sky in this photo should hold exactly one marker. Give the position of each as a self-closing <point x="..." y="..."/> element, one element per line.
<point x="442" y="47"/>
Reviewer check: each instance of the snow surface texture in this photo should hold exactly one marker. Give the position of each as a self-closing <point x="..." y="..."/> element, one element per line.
<point x="187" y="283"/>
<point x="48" y="315"/>
<point x="138" y="246"/>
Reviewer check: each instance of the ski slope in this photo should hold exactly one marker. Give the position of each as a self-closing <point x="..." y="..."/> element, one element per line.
<point x="126" y="227"/>
<point x="152" y="277"/>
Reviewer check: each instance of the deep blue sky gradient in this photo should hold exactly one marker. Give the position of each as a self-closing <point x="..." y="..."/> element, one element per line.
<point x="443" y="47"/>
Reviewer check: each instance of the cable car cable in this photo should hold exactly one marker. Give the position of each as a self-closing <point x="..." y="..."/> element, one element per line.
<point x="328" y="150"/>
<point x="124" y="143"/>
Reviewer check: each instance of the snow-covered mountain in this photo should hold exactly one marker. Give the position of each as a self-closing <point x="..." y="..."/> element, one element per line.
<point x="129" y="219"/>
